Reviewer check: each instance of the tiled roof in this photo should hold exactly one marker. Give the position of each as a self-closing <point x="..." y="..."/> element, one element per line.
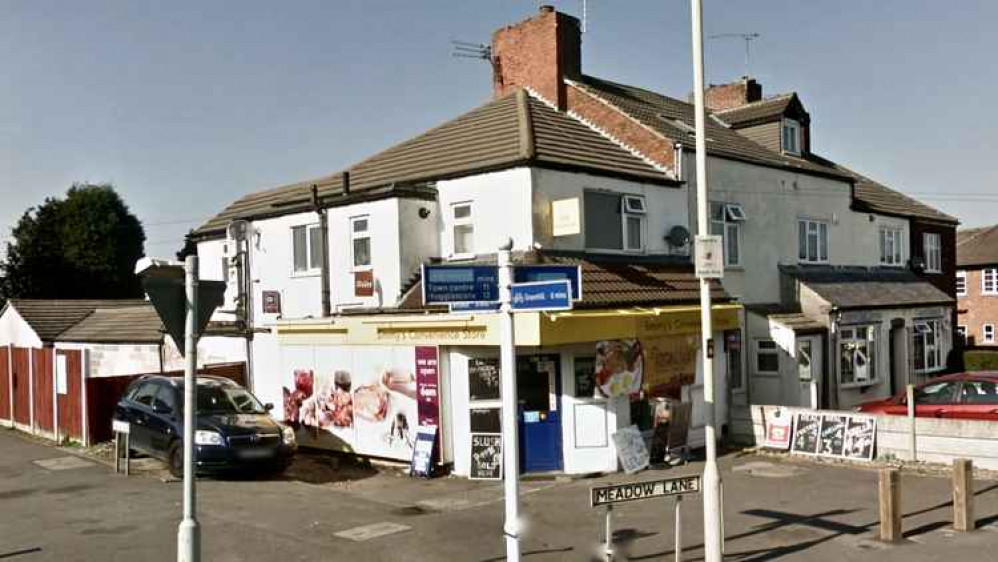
<point x="674" y="119"/>
<point x="862" y="287"/>
<point x="756" y="112"/>
<point x="614" y="281"/>
<point x="514" y="130"/>
<point x="129" y="324"/>
<point x="977" y="246"/>
<point x="51" y="317"/>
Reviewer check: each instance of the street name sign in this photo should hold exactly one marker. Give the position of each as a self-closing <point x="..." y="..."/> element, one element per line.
<point x="634" y="491"/>
<point x="446" y="284"/>
<point x="541" y="295"/>
<point x="534" y="273"/>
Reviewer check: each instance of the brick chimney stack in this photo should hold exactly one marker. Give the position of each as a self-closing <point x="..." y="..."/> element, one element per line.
<point x="538" y="53"/>
<point x="735" y="94"/>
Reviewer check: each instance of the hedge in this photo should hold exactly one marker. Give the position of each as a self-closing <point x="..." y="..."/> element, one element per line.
<point x="981" y="360"/>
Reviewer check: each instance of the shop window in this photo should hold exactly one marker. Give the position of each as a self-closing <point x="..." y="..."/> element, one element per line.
<point x="928" y="348"/>
<point x="306" y="242"/>
<point x="932" y="244"/>
<point x="726" y="221"/>
<point x="733" y="356"/>
<point x="614" y="221"/>
<point x="812" y="240"/>
<point x="857" y="355"/>
<point x="891" y="246"/>
<point x="961" y="283"/>
<point x="767" y="357"/>
<point x="585" y="378"/>
<point x="360" y="235"/>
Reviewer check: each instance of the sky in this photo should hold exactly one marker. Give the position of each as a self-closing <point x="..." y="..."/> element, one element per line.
<point x="187" y="105"/>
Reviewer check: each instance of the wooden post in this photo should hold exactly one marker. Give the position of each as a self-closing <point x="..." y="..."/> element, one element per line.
<point x="890" y="505"/>
<point x="913" y="454"/>
<point x="963" y="495"/>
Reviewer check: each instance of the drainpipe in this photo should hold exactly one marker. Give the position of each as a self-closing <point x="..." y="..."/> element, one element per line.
<point x="324" y="230"/>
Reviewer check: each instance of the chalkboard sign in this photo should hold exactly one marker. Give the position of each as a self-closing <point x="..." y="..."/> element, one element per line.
<point x="833" y="435"/>
<point x="486" y="420"/>
<point x="486" y="456"/>
<point x="806" y="434"/>
<point x="422" y="452"/>
<point x="483" y="379"/>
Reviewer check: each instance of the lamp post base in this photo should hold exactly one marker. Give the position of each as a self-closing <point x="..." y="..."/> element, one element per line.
<point x="189" y="541"/>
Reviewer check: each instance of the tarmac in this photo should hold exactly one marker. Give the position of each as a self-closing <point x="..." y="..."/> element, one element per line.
<point x="57" y="505"/>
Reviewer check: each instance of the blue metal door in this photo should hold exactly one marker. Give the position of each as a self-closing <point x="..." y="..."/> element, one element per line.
<point x="538" y="382"/>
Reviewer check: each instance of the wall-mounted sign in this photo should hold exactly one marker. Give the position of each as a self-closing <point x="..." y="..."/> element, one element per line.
<point x="271" y="302"/>
<point x="709" y="251"/>
<point x="363" y="283"/>
<point x="444" y="284"/>
<point x="483" y="379"/>
<point x="486" y="456"/>
<point x="779" y="428"/>
<point x="541" y="295"/>
<point x="565" y="217"/>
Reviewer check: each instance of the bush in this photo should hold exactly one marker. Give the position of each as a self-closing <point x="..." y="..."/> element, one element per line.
<point x="981" y="360"/>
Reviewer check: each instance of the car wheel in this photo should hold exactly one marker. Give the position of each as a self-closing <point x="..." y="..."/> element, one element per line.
<point x="176" y="460"/>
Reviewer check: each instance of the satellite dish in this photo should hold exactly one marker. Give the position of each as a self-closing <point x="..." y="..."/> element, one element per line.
<point x="237" y="230"/>
<point x="678" y="236"/>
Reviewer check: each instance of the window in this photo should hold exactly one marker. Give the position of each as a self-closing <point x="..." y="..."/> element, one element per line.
<point x="812" y="238"/>
<point x="725" y="220"/>
<point x="937" y="393"/>
<point x="932" y="245"/>
<point x="961" y="332"/>
<point x="989" y="281"/>
<point x="145" y="394"/>
<point x="978" y="392"/>
<point x="614" y="221"/>
<point x="307" y="247"/>
<point x="360" y="235"/>
<point x="767" y="357"/>
<point x="791" y="136"/>
<point x="804" y="351"/>
<point x="989" y="333"/>
<point x="928" y="348"/>
<point x="857" y="355"/>
<point x="891" y="246"/>
<point x="733" y="347"/>
<point x="463" y="229"/>
<point x="961" y="283"/>
<point x="585" y="378"/>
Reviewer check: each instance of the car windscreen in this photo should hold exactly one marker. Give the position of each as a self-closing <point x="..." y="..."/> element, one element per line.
<point x="227" y="400"/>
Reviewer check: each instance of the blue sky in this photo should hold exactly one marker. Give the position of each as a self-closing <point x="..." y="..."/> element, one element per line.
<point x="187" y="105"/>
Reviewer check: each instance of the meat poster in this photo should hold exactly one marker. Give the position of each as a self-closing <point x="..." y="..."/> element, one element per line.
<point x="356" y="399"/>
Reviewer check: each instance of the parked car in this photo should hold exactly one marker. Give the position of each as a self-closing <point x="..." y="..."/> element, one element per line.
<point x="234" y="431"/>
<point x="971" y="396"/>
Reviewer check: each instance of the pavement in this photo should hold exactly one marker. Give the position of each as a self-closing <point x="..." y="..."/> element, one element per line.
<point x="56" y="505"/>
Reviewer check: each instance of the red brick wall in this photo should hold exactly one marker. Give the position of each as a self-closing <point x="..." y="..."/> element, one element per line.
<point x="736" y="94"/>
<point x="976" y="309"/>
<point x="538" y="53"/>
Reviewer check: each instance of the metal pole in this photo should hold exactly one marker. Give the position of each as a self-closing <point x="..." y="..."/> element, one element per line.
<point x="911" y="423"/>
<point x="608" y="552"/>
<point x="510" y="442"/>
<point x="679" y="530"/>
<point x="711" y="475"/>
<point x="188" y="532"/>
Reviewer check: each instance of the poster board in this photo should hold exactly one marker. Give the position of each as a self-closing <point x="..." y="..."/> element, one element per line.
<point x="835" y="435"/>
<point x="424" y="451"/>
<point x="486" y="456"/>
<point x="631" y="449"/>
<point x="779" y="429"/>
<point x="483" y="379"/>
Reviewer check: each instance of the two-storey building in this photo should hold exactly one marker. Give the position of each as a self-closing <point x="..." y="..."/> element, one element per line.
<point x="977" y="285"/>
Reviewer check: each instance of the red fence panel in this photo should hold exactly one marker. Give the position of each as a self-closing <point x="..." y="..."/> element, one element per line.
<point x="4" y="383"/>
<point x="71" y="402"/>
<point x="42" y="374"/>
<point x="22" y="385"/>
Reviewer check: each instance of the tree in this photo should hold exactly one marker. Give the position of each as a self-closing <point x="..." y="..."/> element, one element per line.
<point x="83" y="246"/>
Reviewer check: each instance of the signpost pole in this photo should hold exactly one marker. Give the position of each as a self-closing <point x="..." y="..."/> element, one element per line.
<point x="608" y="553"/>
<point x="711" y="475"/>
<point x="679" y="529"/>
<point x="507" y="354"/>
<point x="188" y="532"/>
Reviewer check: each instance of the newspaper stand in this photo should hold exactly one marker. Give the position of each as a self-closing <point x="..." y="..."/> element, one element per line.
<point x="122" y="434"/>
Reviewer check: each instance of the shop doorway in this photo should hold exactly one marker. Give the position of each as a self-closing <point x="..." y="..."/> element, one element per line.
<point x="538" y="389"/>
<point x="809" y="363"/>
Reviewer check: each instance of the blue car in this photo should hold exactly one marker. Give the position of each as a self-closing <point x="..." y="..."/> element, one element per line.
<point x="234" y="431"/>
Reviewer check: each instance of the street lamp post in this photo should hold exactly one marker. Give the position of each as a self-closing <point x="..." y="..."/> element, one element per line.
<point x="510" y="447"/>
<point x="189" y="532"/>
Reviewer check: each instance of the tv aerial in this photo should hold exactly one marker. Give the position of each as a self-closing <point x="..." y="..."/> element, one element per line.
<point x="747" y="37"/>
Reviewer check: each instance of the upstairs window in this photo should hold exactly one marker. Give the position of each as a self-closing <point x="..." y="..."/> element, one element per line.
<point x="360" y="237"/>
<point x="989" y="333"/>
<point x="961" y="283"/>
<point x="791" y="136"/>
<point x="463" y="229"/>
<point x="891" y="246"/>
<point x="725" y="220"/>
<point x="306" y="242"/>
<point x="932" y="244"/>
<point x="989" y="281"/>
<point x="614" y="221"/>
<point x="812" y="240"/>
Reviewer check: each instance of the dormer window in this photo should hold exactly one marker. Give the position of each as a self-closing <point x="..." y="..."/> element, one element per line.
<point x="791" y="136"/>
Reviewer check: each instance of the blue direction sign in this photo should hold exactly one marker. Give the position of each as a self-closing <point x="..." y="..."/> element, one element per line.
<point x="444" y="284"/>
<point x="473" y="307"/>
<point x="535" y="273"/>
<point x="542" y="295"/>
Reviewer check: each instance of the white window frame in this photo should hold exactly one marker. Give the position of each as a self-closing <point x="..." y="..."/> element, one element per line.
<point x="310" y="269"/>
<point x="989" y="281"/>
<point x="790" y="136"/>
<point x="932" y="247"/>
<point x="891" y="246"/>
<point x="988" y="333"/>
<point x="757" y="350"/>
<point x="961" y="283"/>
<point x="730" y="228"/>
<point x="354" y="236"/>
<point x="638" y="212"/>
<point x="961" y="332"/>
<point x="821" y="244"/>
<point x="872" y="343"/>
<point x="930" y="354"/>
<point x="463" y="221"/>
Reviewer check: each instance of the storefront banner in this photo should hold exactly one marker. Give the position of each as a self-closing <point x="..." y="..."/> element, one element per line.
<point x="428" y="385"/>
<point x="670" y="364"/>
<point x="357" y="399"/>
<point x="619" y="367"/>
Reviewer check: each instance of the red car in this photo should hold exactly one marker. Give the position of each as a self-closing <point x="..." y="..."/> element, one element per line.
<point x="969" y="396"/>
